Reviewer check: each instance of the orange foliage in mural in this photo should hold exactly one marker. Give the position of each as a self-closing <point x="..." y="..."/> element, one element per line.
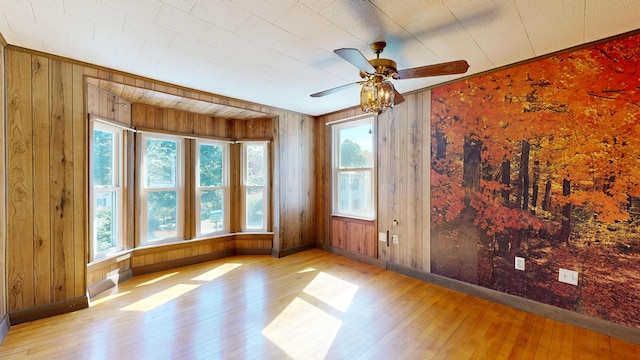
<point x="542" y="160"/>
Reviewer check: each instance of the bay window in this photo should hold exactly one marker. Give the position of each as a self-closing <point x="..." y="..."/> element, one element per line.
<point x="212" y="189"/>
<point x="255" y="181"/>
<point x="162" y="188"/>
<point x="106" y="161"/>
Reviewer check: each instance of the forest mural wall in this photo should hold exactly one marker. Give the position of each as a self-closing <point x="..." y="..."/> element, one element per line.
<point x="542" y="161"/>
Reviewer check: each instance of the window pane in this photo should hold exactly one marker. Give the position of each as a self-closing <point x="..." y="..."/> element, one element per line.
<point x="162" y="214"/>
<point x="354" y="196"/>
<point x="102" y="155"/>
<point x="161" y="161"/>
<point x="255" y="165"/>
<point x="211" y="165"/>
<point x="255" y="216"/>
<point x="356" y="147"/>
<point x="105" y="221"/>
<point x="211" y="211"/>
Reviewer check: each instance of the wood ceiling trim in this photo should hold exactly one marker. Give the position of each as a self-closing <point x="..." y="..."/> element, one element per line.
<point x="181" y="100"/>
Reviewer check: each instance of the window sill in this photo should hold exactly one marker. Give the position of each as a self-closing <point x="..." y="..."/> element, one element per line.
<point x="352" y="217"/>
<point x="127" y="254"/>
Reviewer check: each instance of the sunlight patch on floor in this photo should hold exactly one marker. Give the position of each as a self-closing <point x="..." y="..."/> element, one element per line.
<point x="159" y="278"/>
<point x="108" y="298"/>
<point x="216" y="273"/>
<point x="306" y="270"/>
<point x="303" y="331"/>
<point x="160" y="298"/>
<point x="332" y="291"/>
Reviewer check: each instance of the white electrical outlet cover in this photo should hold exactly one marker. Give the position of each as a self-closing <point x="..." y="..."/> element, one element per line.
<point x="568" y="276"/>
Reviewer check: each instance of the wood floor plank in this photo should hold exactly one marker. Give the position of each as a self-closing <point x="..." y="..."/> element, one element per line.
<point x="311" y="305"/>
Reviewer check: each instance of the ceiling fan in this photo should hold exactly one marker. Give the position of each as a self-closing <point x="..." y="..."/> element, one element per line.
<point x="378" y="93"/>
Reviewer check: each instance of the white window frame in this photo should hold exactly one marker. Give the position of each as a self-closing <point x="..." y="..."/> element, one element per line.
<point x="225" y="186"/>
<point x="265" y="187"/>
<point x="337" y="170"/>
<point x="116" y="189"/>
<point x="179" y="188"/>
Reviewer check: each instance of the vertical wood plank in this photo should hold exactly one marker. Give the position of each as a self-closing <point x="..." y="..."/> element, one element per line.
<point x="61" y="162"/>
<point x="41" y="191"/>
<point x="20" y="176"/>
<point x="3" y="187"/>
<point x="426" y="182"/>
<point x="80" y="179"/>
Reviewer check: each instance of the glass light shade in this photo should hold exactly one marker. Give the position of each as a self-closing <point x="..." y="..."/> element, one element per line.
<point x="368" y="96"/>
<point x="377" y="95"/>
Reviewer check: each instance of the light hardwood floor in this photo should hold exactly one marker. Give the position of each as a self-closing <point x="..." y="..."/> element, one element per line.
<point x="311" y="305"/>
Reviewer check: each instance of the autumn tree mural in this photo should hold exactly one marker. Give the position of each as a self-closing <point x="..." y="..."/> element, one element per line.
<point x="542" y="161"/>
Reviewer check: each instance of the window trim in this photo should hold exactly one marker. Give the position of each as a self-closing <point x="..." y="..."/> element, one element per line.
<point x="336" y="170"/>
<point x="118" y="189"/>
<point x="225" y="187"/>
<point x="180" y="189"/>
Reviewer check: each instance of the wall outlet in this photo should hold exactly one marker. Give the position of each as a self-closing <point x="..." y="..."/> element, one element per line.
<point x="395" y="239"/>
<point x="568" y="276"/>
<point x="382" y="236"/>
<point x="519" y="263"/>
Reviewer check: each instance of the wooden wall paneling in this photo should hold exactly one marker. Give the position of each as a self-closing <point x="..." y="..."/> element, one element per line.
<point x="80" y="178"/>
<point x="290" y="219"/>
<point x="275" y="185"/>
<point x="403" y="181"/>
<point x="3" y="189"/>
<point x="189" y="121"/>
<point x="93" y="100"/>
<point x="338" y="233"/>
<point x="104" y="104"/>
<point x="318" y="166"/>
<point x="412" y="229"/>
<point x="129" y="190"/>
<point x="235" y="193"/>
<point x="402" y="153"/>
<point x="385" y="182"/>
<point x="284" y="173"/>
<point x="308" y="189"/>
<point x="42" y="244"/>
<point x="425" y="221"/>
<point x="62" y="191"/>
<point x="20" y="280"/>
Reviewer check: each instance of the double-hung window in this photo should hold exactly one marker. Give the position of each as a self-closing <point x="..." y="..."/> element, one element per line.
<point x="255" y="181"/>
<point x="212" y="189"/>
<point x="106" y="160"/>
<point x="161" y="188"/>
<point x="354" y="169"/>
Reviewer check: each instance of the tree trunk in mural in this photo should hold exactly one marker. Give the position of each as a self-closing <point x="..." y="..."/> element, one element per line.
<point x="469" y="233"/>
<point x="503" y="237"/>
<point x="546" y="202"/>
<point x="534" y="189"/>
<point x="565" y="229"/>
<point x="441" y="144"/>
<point x="505" y="180"/>
<point x="439" y="244"/>
<point x="523" y="177"/>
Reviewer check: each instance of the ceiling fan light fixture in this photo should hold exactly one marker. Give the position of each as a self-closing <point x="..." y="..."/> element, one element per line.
<point x="377" y="95"/>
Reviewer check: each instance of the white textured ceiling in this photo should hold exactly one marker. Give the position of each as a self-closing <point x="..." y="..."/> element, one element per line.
<point x="277" y="52"/>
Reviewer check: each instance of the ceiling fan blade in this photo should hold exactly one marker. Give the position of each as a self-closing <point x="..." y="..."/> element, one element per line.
<point x="397" y="98"/>
<point x="447" y="68"/>
<point x="356" y="58"/>
<point x="335" y="89"/>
